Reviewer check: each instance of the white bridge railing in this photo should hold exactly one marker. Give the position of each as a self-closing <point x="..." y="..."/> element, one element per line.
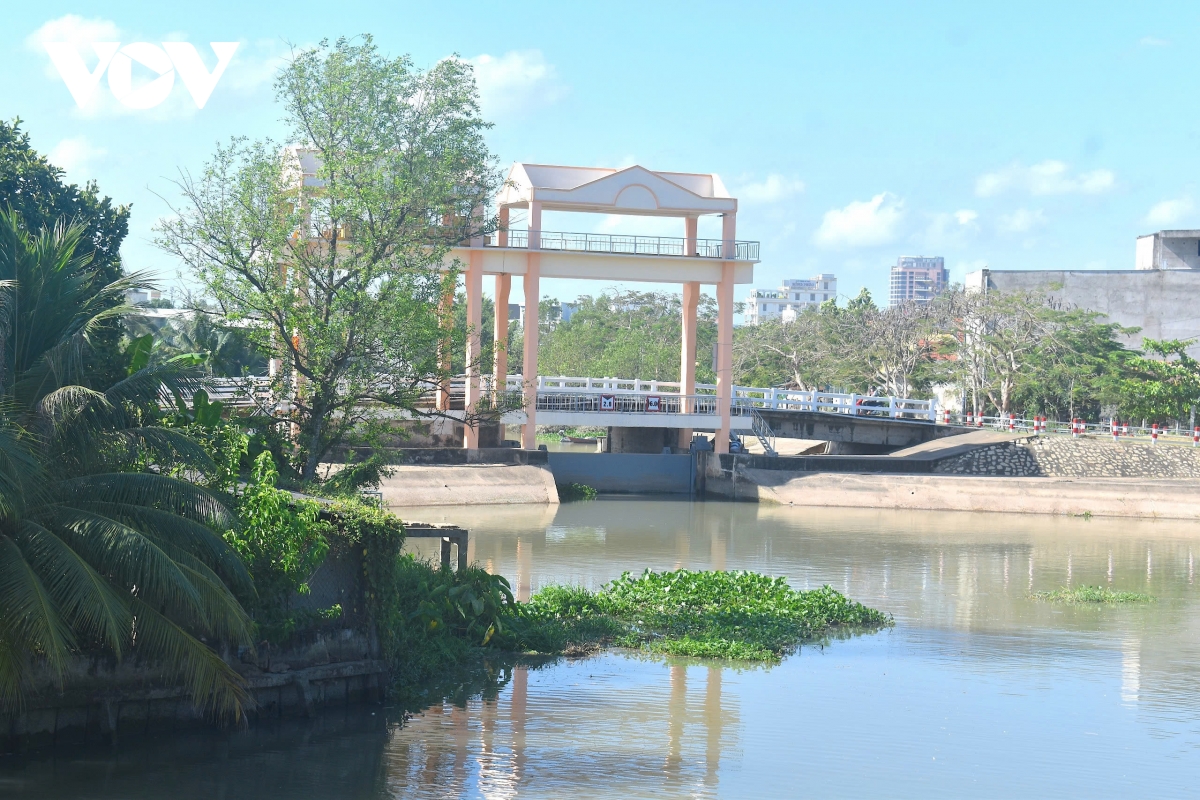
<point x="637" y="396"/>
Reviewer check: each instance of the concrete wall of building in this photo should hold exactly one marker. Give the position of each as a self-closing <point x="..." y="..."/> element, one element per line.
<point x="1165" y="304"/>
<point x="625" y="473"/>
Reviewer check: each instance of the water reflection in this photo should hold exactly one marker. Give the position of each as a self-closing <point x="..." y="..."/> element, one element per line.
<point x="979" y="690"/>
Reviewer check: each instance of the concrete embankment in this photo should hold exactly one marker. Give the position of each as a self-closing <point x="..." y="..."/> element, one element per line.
<point x="977" y="472"/>
<point x="1175" y="499"/>
<point x="456" y="477"/>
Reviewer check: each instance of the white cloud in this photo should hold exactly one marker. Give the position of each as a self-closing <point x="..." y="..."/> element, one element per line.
<point x="948" y="230"/>
<point x="863" y="223"/>
<point x="1168" y="212"/>
<point x="77" y="157"/>
<point x="1045" y="178"/>
<point x="1022" y="220"/>
<point x="516" y="81"/>
<point x="76" y="30"/>
<point x="1154" y="41"/>
<point x="965" y="216"/>
<point x="772" y="190"/>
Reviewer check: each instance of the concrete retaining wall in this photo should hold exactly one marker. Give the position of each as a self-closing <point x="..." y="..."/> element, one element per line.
<point x="1070" y="496"/>
<point x="468" y="484"/>
<point x="1058" y="456"/>
<point x="103" y="700"/>
<point x="634" y="473"/>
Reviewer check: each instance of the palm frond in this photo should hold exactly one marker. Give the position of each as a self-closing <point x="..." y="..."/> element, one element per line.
<point x="190" y="536"/>
<point x="129" y="557"/>
<point x="151" y="491"/>
<point x="211" y="682"/>
<point x="83" y="596"/>
<point x="28" y="613"/>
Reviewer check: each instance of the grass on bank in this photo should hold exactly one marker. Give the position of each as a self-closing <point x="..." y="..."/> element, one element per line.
<point x="1092" y="595"/>
<point x="451" y="620"/>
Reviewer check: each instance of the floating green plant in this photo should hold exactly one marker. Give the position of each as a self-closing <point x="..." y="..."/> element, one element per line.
<point x="732" y="615"/>
<point x="1096" y="595"/>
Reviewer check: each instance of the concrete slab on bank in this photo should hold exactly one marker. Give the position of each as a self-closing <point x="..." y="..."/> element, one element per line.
<point x="468" y="484"/>
<point x="1109" y="497"/>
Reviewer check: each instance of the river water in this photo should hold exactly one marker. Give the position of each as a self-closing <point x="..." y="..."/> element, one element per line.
<point x="978" y="690"/>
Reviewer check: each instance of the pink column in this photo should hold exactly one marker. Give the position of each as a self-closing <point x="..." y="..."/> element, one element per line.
<point x="500" y="333"/>
<point x="502" y="234"/>
<point x="689" y="236"/>
<point x="725" y="331"/>
<point x="687" y="359"/>
<point x="474" y="289"/>
<point x="530" y="332"/>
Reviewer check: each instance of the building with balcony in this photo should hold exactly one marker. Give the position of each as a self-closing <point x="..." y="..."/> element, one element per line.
<point x="791" y="298"/>
<point x="917" y="279"/>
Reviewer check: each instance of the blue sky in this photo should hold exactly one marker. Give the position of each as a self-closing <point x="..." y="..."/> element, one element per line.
<point x="1016" y="136"/>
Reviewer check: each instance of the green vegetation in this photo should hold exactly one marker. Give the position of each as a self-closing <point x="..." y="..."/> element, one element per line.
<point x="735" y="615"/>
<point x="622" y="334"/>
<point x="444" y="620"/>
<point x="1092" y="595"/>
<point x="555" y="433"/>
<point x="94" y="543"/>
<point x="356" y="312"/>
<point x="575" y="491"/>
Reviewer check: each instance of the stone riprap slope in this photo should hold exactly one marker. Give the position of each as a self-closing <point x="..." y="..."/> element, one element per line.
<point x="1088" y="457"/>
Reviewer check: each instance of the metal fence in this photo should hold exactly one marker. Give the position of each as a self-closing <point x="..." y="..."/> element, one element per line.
<point x="631" y="245"/>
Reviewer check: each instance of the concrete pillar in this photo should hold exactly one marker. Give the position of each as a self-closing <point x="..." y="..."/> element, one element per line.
<point x="446" y="321"/>
<point x="474" y="287"/>
<point x="725" y="332"/>
<point x="689" y="235"/>
<point x="529" y="367"/>
<point x="502" y="234"/>
<point x="500" y="332"/>
<point x="687" y="356"/>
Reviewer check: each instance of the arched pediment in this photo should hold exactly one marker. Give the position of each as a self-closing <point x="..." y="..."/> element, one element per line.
<point x="635" y="197"/>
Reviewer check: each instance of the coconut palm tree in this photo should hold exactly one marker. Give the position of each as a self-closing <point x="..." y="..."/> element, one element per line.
<point x="98" y="550"/>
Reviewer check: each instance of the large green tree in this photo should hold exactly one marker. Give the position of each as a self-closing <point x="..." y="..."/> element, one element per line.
<point x="338" y="274"/>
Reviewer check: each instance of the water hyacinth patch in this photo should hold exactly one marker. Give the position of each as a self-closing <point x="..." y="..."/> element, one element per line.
<point x="733" y="615"/>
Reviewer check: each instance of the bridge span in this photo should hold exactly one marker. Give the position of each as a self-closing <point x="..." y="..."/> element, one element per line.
<point x="872" y="422"/>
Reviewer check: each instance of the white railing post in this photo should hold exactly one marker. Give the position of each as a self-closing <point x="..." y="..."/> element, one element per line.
<point x="933" y="409"/>
<point x="853" y="405"/>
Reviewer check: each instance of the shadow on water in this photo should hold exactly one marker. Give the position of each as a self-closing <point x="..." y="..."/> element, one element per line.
<point x="340" y="753"/>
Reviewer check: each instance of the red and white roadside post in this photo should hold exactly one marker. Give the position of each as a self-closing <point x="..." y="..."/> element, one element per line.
<point x="1154" y="433"/>
<point x="1125" y="428"/>
<point x="1075" y="428"/>
<point x="1196" y="437"/>
<point x="946" y="416"/>
<point x="970" y="418"/>
<point x="1012" y="425"/>
<point x="1116" y="431"/>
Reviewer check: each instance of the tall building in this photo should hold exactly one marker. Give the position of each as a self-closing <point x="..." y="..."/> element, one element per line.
<point x="789" y="299"/>
<point x="917" y="279"/>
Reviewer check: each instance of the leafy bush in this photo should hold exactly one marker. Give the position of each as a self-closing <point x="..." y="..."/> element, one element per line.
<point x="575" y="491"/>
<point x="281" y="541"/>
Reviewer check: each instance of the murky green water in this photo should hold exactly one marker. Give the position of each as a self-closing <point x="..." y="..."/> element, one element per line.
<point x="977" y="691"/>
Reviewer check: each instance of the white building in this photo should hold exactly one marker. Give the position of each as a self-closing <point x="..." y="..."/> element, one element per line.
<point x="789" y="299"/>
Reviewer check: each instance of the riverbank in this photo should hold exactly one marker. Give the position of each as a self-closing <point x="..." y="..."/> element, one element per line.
<point x="1077" y="497"/>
